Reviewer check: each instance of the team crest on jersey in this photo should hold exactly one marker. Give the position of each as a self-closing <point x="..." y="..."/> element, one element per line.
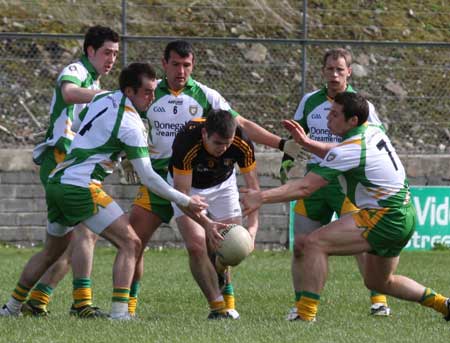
<point x="228" y="161"/>
<point x="331" y="156"/>
<point x="193" y="109"/>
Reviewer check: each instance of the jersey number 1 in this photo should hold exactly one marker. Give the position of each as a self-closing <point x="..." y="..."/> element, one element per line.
<point x="88" y="126"/>
<point x="382" y="145"/>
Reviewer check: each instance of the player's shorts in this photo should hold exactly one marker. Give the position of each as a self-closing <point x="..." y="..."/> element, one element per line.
<point x="69" y="205"/>
<point x="51" y="157"/>
<point x="321" y="205"/>
<point x="153" y="202"/>
<point x="387" y="230"/>
<point x="222" y="200"/>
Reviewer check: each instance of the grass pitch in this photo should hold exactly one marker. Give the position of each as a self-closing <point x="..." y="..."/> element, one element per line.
<point x="172" y="309"/>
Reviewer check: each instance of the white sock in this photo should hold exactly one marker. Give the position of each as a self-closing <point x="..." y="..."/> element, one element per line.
<point x="219" y="298"/>
<point x="118" y="308"/>
<point x="14" y="305"/>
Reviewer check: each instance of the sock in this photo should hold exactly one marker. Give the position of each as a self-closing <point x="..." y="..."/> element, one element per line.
<point x="217" y="305"/>
<point x="434" y="300"/>
<point x="40" y="296"/>
<point x="307" y="306"/>
<point x="121" y="295"/>
<point x="378" y="298"/>
<point x="132" y="302"/>
<point x="82" y="292"/>
<point x="14" y="305"/>
<point x="118" y="307"/>
<point x="228" y="296"/>
<point x="298" y="295"/>
<point x="20" y="293"/>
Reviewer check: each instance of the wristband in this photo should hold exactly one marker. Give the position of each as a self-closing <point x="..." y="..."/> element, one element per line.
<point x="281" y="144"/>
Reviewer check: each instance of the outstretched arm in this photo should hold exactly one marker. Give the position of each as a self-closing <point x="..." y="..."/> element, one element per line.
<point x="156" y="184"/>
<point x="258" y="134"/>
<point x="252" y="200"/>
<point x="318" y="148"/>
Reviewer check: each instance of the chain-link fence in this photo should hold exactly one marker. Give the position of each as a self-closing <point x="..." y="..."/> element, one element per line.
<point x="261" y="78"/>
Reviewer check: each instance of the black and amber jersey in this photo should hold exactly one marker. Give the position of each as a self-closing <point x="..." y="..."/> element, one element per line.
<point x="189" y="156"/>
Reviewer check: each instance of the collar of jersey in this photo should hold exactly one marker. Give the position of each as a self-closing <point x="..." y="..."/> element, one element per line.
<point x="356" y="130"/>
<point x="324" y="90"/>
<point x="163" y="84"/>
<point x="85" y="61"/>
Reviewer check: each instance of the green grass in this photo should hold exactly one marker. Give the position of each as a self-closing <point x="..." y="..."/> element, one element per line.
<point x="172" y="308"/>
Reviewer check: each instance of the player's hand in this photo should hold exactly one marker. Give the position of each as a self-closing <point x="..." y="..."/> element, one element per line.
<point x="296" y="131"/>
<point x="213" y="236"/>
<point x="196" y="205"/>
<point x="251" y="200"/>
<point x="127" y="174"/>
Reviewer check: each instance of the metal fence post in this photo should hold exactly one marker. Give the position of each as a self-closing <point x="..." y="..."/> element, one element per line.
<point x="124" y="33"/>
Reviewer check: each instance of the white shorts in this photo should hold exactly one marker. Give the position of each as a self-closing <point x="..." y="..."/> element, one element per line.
<point x="222" y="200"/>
<point x="97" y="223"/>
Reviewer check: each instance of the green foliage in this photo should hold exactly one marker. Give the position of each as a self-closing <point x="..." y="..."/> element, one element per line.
<point x="441" y="247"/>
<point x="172" y="308"/>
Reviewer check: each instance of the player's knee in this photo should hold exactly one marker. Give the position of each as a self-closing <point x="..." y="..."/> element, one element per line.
<point x="135" y="245"/>
<point x="308" y="242"/>
<point x="196" y="250"/>
<point x="299" y="243"/>
<point x="129" y="242"/>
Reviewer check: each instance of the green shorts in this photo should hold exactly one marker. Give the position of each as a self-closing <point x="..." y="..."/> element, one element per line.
<point x="153" y="202"/>
<point x="50" y="158"/>
<point x="69" y="205"/>
<point x="387" y="230"/>
<point x="321" y="205"/>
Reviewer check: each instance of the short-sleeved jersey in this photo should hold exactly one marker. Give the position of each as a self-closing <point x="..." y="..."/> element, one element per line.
<point x="312" y="115"/>
<point x="171" y="110"/>
<point x="190" y="157"/>
<point x="60" y="132"/>
<point x="111" y="126"/>
<point x="368" y="169"/>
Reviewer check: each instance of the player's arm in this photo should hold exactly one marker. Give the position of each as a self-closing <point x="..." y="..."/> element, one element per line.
<point x="251" y="182"/>
<point x="156" y="184"/>
<point x="74" y="94"/>
<point x="299" y="135"/>
<point x="297" y="189"/>
<point x="183" y="183"/>
<point x="258" y="134"/>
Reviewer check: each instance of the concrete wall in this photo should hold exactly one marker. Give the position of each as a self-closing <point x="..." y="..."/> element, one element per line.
<point x="23" y="209"/>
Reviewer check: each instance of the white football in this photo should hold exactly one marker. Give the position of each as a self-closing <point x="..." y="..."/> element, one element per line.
<point x="236" y="245"/>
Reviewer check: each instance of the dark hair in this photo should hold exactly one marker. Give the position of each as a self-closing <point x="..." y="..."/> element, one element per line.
<point x="181" y="47"/>
<point x="97" y="35"/>
<point x="220" y="122"/>
<point x="131" y="75"/>
<point x="353" y="104"/>
<point x="338" y="53"/>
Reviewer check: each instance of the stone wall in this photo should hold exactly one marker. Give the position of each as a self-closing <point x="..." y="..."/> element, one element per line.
<point x="23" y="209"/>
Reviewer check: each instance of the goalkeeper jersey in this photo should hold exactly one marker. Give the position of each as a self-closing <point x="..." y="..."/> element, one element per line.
<point x="171" y="110"/>
<point x="62" y="115"/>
<point x="368" y="169"/>
<point x="110" y="126"/>
<point x="312" y="115"/>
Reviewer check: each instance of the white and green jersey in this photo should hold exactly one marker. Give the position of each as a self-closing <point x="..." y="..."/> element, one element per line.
<point x="172" y="110"/>
<point x="312" y="115"/>
<point x="111" y="125"/>
<point x="368" y="169"/>
<point x="62" y="115"/>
